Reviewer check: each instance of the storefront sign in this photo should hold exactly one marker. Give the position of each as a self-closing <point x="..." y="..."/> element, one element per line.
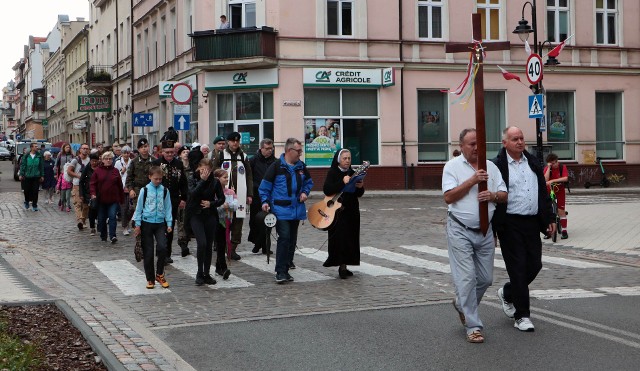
<point x="341" y="77"/>
<point x="291" y="103"/>
<point x="388" y="77"/>
<point x="94" y="103"/>
<point x="79" y="124"/>
<point x="165" y="87"/>
<point x="321" y="141"/>
<point x="242" y="79"/>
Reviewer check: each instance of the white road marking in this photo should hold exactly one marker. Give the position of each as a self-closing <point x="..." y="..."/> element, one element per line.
<point x="189" y="266"/>
<point x="444" y="253"/>
<point x="366" y="268"/>
<point x="405" y="259"/>
<point x="259" y="261"/>
<point x="12" y="290"/>
<point x="568" y="262"/>
<point x="129" y="279"/>
<point x="563" y="294"/>
<point x="624" y="291"/>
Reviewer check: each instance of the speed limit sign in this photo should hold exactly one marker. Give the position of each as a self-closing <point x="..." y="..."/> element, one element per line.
<point x="534" y="68"/>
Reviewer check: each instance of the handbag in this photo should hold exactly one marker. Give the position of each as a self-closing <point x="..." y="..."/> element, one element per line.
<point x="93" y="204"/>
<point x="137" y="249"/>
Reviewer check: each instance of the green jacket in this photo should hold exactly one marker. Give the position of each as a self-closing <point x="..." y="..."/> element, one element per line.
<point x="32" y="167"/>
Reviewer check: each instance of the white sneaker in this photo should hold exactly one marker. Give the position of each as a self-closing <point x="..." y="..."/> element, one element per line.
<point x="524" y="324"/>
<point x="507" y="307"/>
<point x="126" y="232"/>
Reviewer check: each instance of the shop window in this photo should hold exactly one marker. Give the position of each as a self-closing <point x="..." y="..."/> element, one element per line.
<point x="609" y="139"/>
<point x="557" y="20"/>
<point x="560" y="124"/>
<point x="495" y="120"/>
<point x="490" y="18"/>
<point x="430" y="19"/>
<point x="318" y="102"/>
<point x="248" y="106"/>
<point x="433" y="126"/>
<point x="340" y="17"/>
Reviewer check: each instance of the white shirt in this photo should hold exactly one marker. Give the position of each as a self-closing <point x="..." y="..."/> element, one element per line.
<point x="467" y="209"/>
<point x="78" y="165"/>
<point x="523" y="187"/>
<point x="120" y="164"/>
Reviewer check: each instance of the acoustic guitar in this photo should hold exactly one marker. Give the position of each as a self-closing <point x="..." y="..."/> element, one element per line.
<point x="322" y="215"/>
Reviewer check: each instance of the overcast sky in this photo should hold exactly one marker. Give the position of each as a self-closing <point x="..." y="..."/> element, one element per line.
<point x="21" y="18"/>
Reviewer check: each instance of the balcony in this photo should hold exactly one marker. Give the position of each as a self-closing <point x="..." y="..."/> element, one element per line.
<point x="236" y="48"/>
<point x="99" y="77"/>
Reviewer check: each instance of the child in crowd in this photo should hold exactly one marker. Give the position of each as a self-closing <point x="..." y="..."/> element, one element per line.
<point x="64" y="186"/>
<point x="225" y="215"/>
<point x="153" y="219"/>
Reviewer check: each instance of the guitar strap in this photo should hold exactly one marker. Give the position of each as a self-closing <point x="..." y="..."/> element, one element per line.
<point x="241" y="180"/>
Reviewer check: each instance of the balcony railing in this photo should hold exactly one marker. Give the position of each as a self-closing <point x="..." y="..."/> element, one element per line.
<point x="234" y="43"/>
<point x="98" y="74"/>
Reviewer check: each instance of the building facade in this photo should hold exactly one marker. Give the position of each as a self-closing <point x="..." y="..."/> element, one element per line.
<point x="75" y="53"/>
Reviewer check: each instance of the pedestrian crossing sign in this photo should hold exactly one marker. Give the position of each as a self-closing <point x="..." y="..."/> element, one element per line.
<point x="536" y="106"/>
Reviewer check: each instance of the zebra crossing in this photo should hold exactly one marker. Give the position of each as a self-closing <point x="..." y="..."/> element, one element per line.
<point x="129" y="278"/>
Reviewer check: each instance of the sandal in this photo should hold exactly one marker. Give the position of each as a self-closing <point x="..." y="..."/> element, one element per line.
<point x="475" y="337"/>
<point x="460" y="314"/>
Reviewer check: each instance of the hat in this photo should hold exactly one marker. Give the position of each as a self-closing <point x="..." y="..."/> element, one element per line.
<point x="142" y="142"/>
<point x="94" y="156"/>
<point x="195" y="145"/>
<point x="219" y="138"/>
<point x="167" y="144"/>
<point x="233" y="136"/>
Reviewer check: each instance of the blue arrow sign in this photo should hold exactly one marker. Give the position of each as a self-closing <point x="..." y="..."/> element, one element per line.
<point x="143" y="119"/>
<point x="536" y="106"/>
<point x="181" y="121"/>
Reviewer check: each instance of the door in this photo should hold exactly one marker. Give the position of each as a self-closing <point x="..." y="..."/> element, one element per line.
<point x="250" y="143"/>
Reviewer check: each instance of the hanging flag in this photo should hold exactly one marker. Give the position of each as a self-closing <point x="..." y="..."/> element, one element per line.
<point x="527" y="48"/>
<point x="508" y="75"/>
<point x="555" y="52"/>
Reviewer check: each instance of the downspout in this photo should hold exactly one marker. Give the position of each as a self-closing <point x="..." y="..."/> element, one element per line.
<point x="117" y="75"/>
<point x="133" y="66"/>
<point x="402" y="133"/>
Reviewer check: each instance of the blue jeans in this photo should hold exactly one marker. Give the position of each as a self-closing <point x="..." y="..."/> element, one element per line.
<point x="287" y="238"/>
<point x="107" y="211"/>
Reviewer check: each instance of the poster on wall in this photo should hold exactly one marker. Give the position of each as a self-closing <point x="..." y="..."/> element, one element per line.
<point x="430" y="126"/>
<point x="557" y="125"/>
<point x="321" y="141"/>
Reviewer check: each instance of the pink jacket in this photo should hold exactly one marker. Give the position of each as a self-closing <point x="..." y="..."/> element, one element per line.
<point x="63" y="184"/>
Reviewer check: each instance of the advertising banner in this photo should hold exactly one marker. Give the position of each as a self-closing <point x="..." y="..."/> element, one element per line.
<point x="94" y="103"/>
<point x="321" y="141"/>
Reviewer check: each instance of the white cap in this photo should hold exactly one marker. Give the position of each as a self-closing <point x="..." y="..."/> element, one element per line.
<point x="195" y="144"/>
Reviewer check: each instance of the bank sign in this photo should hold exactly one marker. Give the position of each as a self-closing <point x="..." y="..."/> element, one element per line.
<point x="241" y="79"/>
<point x="94" y="103"/>
<point x="342" y="77"/>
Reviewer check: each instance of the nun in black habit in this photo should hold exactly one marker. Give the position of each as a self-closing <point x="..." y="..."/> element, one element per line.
<point x="344" y="236"/>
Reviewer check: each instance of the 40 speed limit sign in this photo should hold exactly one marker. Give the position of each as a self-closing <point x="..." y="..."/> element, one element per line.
<point x="534" y="68"/>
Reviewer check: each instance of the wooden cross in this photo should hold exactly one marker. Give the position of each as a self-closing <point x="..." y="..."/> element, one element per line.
<point x="477" y="48"/>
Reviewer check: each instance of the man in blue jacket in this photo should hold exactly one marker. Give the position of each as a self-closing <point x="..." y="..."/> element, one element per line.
<point x="284" y="189"/>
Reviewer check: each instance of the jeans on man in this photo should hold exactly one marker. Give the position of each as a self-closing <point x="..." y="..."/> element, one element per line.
<point x="149" y="233"/>
<point x="107" y="211"/>
<point x="287" y="239"/>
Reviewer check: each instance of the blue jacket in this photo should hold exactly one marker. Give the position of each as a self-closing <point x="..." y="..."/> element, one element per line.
<point x="154" y="209"/>
<point x="281" y="188"/>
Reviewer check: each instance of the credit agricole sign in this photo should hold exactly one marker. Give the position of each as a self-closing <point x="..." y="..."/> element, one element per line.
<point x="94" y="103"/>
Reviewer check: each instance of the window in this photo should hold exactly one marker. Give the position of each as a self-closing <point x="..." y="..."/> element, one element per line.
<point x="495" y="120"/>
<point x="173" y="45"/>
<point x="609" y="125"/>
<point x="560" y="124"/>
<point x="430" y="19"/>
<point x="242" y="13"/>
<point x="246" y="112"/>
<point x="490" y="18"/>
<point x="557" y="20"/>
<point x="340" y="17"/>
<point x="433" y="126"/>
<point x="341" y="118"/>
<point x="606" y="21"/>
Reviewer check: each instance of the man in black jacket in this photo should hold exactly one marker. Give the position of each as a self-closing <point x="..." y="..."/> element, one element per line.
<point x="263" y="158"/>
<point x="175" y="180"/>
<point x="519" y="223"/>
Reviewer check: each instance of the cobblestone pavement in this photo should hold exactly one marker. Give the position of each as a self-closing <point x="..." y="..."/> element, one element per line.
<point x="400" y="234"/>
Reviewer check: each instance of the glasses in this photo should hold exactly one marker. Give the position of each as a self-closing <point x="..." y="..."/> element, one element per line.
<point x="297" y="150"/>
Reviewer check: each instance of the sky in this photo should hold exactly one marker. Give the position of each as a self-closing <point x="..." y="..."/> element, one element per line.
<point x="21" y="18"/>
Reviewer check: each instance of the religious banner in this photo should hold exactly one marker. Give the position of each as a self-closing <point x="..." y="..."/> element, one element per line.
<point x="321" y="141"/>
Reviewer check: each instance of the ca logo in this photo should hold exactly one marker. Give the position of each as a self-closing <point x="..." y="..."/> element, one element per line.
<point x="387" y="76"/>
<point x="323" y="76"/>
<point x="167" y="88"/>
<point x="240" y="78"/>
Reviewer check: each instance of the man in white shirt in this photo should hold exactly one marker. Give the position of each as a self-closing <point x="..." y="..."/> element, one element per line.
<point x="224" y="24"/>
<point x="470" y="251"/>
<point x="75" y="172"/>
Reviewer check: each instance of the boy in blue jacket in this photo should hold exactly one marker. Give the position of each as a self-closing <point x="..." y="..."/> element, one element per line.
<point x="153" y="219"/>
<point x="286" y="186"/>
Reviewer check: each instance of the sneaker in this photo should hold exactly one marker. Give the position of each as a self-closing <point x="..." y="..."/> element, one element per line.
<point x="281" y="278"/>
<point x="80" y="226"/>
<point x="26" y="206"/>
<point x="292" y="266"/>
<point x="255" y="250"/>
<point x="289" y="278"/>
<point x="126" y="232"/>
<point x="507" y="307"/>
<point x="114" y="239"/>
<point x="199" y="280"/>
<point x="93" y="231"/>
<point x="35" y="208"/>
<point x="524" y="324"/>
<point x="68" y="209"/>
<point x="225" y="274"/>
<point x="209" y="280"/>
<point x="162" y="281"/>
<point x="565" y="235"/>
<point x="150" y="284"/>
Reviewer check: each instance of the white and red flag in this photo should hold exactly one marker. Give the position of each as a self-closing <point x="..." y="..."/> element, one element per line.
<point x="555" y="52"/>
<point x="508" y="75"/>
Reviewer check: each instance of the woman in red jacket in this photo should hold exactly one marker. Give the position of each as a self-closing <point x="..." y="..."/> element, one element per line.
<point x="106" y="190"/>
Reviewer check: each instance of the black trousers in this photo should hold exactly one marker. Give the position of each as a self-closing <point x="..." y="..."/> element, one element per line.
<point x="221" y="247"/>
<point x="204" y="228"/>
<point x="30" y="187"/>
<point x="522" y="252"/>
<point x="174" y="214"/>
<point x="149" y="233"/>
<point x="257" y="230"/>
